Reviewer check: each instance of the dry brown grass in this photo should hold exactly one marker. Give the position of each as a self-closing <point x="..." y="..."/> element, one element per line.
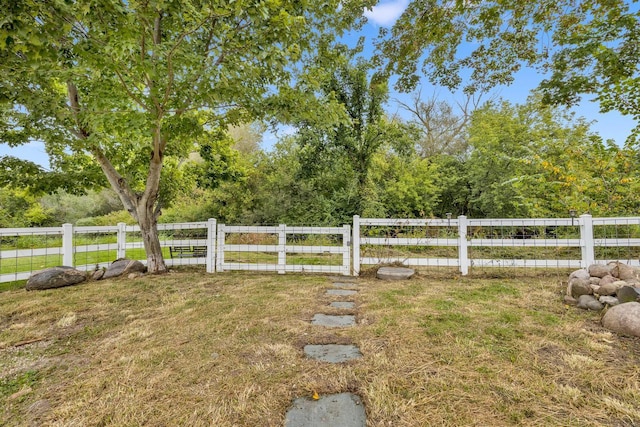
<point x="226" y="350"/>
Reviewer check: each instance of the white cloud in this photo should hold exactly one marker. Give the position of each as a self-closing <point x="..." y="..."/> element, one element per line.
<point x="385" y="14"/>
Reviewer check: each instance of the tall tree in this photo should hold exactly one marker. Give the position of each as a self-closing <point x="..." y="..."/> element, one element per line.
<point x="132" y="83"/>
<point x="442" y="128"/>
<point x="357" y="133"/>
<point x="584" y="46"/>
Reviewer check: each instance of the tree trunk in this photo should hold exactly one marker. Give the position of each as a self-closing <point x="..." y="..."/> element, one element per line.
<point x="149" y="230"/>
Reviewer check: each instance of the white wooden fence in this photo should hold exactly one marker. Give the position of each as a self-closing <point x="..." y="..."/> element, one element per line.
<point x="186" y="244"/>
<point x="468" y="234"/>
<point x="281" y="247"/>
<point x="460" y="243"/>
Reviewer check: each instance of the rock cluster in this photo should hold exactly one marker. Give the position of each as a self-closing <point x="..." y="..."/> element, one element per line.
<point x="614" y="285"/>
<point x="57" y="277"/>
<point x="600" y="285"/>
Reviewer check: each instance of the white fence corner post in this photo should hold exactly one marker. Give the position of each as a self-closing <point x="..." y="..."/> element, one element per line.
<point x="463" y="245"/>
<point x="346" y="247"/>
<point x="282" y="248"/>
<point x="122" y="241"/>
<point x="355" y="245"/>
<point x="220" y="249"/>
<point x="211" y="245"/>
<point x="586" y="240"/>
<point x="67" y="245"/>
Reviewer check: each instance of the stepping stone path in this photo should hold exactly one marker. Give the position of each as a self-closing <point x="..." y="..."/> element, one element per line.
<point x="342" y="409"/>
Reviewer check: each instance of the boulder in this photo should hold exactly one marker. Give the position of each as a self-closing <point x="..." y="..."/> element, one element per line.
<point x="588" y="302"/>
<point x="623" y="271"/>
<point x="580" y="274"/>
<point x="611" y="288"/>
<point x="610" y="301"/>
<point x="623" y="319"/>
<point x="569" y="300"/>
<point x="579" y="286"/>
<point x="395" y="273"/>
<point x="124" y="266"/>
<point x="599" y="270"/>
<point x="594" y="281"/>
<point x="628" y="294"/>
<point x="55" y="277"/>
<point x="97" y="275"/>
<point x="607" y="279"/>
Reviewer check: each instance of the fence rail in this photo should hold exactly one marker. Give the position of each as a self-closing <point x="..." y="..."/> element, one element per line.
<point x="457" y="242"/>
<point x="251" y="256"/>
<point x="472" y="239"/>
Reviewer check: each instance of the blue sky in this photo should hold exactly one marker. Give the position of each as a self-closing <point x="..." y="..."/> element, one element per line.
<point x="610" y="125"/>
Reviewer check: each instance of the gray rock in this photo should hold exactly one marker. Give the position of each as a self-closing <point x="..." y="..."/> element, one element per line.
<point x="124" y="266"/>
<point x="623" y="271"/>
<point x="580" y="274"/>
<point x="341" y="292"/>
<point x="332" y="321"/>
<point x="395" y="273"/>
<point x="588" y="302"/>
<point x="611" y="288"/>
<point x="579" y="286"/>
<point x="97" y="275"/>
<point x="343" y="305"/>
<point x="628" y="294"/>
<point x="599" y="270"/>
<point x="594" y="281"/>
<point x="344" y="285"/>
<point x="607" y="279"/>
<point x="608" y="300"/>
<point x="595" y="289"/>
<point x="335" y="410"/>
<point x="55" y="277"/>
<point x="332" y="353"/>
<point x="568" y="299"/>
<point x="623" y="319"/>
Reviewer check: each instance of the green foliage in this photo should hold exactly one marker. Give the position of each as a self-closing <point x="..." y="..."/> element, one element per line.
<point x="111" y="218"/>
<point x="132" y="86"/>
<point x="20" y="208"/>
<point x="588" y="47"/>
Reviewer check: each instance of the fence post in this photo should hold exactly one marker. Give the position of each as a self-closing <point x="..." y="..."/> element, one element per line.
<point x="355" y="245"/>
<point x="346" y="255"/>
<point x="282" y="248"/>
<point x="211" y="245"/>
<point x="220" y="248"/>
<point x="122" y="241"/>
<point x="586" y="240"/>
<point x="67" y="245"/>
<point x="463" y="245"/>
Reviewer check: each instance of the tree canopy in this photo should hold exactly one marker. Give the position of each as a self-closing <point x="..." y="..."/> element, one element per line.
<point x="131" y="84"/>
<point x="583" y="47"/>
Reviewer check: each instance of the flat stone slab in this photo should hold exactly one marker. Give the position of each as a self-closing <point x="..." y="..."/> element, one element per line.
<point x="335" y="410"/>
<point x="343" y="279"/>
<point x="341" y="292"/>
<point x="333" y="321"/>
<point x="343" y="285"/>
<point x="343" y="304"/>
<point x="332" y="353"/>
<point x="395" y="273"/>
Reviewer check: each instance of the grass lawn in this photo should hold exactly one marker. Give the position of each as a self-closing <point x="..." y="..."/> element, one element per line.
<point x="197" y="349"/>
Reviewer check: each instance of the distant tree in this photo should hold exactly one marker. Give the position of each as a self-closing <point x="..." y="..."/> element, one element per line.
<point x="531" y="160"/>
<point x="357" y="134"/>
<point x="584" y="46"/>
<point x="442" y="125"/>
